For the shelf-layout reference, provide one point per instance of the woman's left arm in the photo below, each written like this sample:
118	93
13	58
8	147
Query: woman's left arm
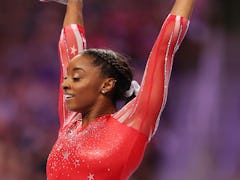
72	41
183	8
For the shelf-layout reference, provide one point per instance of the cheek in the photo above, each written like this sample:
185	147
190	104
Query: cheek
87	89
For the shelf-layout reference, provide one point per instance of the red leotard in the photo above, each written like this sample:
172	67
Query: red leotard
111	147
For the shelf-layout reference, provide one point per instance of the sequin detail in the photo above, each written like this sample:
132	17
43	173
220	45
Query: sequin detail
89	151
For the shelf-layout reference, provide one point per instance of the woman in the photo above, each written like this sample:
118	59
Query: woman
95	141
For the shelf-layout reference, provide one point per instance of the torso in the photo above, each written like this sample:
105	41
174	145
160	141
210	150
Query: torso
104	149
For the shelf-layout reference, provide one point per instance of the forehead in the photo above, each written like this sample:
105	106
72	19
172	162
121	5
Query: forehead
83	62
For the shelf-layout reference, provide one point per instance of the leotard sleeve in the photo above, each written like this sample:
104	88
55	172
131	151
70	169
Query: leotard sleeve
143	112
72	41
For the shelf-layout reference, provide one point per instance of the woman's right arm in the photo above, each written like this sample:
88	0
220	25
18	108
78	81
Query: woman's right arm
72	41
144	111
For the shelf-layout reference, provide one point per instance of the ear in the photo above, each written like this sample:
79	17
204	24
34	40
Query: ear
108	85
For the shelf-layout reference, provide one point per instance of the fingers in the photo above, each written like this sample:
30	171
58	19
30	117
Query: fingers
65	2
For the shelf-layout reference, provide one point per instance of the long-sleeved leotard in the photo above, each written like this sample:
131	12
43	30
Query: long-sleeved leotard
112	146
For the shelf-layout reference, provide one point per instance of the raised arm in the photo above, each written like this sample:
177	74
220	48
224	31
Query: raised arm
74	13
72	38
143	112
183	8
71	42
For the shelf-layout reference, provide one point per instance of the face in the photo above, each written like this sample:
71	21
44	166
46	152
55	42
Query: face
82	84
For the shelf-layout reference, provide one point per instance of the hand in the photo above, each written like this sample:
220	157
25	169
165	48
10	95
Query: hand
65	2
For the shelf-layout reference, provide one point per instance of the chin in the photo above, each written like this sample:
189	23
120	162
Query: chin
73	108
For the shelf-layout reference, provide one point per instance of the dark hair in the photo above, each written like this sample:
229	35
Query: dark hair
114	65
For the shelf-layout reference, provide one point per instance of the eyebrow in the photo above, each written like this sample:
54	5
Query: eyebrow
78	69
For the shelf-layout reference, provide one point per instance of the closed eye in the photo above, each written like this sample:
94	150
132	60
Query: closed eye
75	79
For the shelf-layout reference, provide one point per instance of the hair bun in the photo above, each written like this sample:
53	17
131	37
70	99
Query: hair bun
134	89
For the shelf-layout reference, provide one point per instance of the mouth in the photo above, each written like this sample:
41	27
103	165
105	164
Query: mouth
68	97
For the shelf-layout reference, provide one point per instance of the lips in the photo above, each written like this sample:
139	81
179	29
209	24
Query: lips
68	96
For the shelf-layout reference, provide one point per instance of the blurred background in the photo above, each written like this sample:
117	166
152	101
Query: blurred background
198	136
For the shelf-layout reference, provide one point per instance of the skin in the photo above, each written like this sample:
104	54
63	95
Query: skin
89	90
183	8
74	13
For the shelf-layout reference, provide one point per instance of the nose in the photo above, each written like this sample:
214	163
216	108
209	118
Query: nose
65	84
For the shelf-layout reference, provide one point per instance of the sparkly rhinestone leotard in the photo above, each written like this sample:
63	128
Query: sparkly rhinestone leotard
112	146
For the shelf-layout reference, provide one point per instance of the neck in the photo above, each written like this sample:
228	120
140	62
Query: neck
100	108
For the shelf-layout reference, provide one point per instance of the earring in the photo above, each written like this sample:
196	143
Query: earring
103	91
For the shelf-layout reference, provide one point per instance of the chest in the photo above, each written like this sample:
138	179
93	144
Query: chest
96	141
103	147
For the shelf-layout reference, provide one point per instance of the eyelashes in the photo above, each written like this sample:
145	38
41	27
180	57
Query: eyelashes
74	79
